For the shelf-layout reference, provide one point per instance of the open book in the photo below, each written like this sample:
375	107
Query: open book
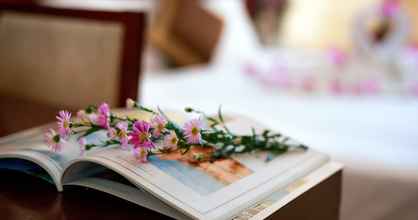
167	183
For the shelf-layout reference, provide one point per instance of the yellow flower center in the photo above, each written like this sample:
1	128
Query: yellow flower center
66	124
174	140
143	137
122	134
195	131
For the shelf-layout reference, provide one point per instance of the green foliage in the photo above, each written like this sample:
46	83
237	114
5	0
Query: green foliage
226	143
217	135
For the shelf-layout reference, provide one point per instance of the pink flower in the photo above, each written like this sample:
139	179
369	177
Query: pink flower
171	140
84	117
140	137
53	140
282	81
278	77
140	154
308	84
82	142
414	89
337	56
390	7
336	87
158	123
192	130
122	134
92	117
64	124
250	69
119	133
103	115
370	86
112	133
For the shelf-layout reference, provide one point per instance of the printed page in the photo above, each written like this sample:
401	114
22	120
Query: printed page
29	145
129	193
211	190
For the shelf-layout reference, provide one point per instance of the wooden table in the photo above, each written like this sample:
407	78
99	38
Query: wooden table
26	197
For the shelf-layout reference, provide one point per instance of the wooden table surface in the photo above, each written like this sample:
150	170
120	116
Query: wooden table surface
26	197
30	198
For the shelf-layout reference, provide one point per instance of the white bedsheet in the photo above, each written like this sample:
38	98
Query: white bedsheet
376	137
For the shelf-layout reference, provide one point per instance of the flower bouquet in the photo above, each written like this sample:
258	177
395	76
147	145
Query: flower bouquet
203	138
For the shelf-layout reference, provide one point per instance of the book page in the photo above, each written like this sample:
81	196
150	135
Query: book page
277	199
29	145
129	193
211	190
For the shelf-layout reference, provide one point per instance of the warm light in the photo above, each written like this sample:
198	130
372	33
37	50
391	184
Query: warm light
321	23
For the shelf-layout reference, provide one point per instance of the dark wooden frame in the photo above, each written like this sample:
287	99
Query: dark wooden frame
133	22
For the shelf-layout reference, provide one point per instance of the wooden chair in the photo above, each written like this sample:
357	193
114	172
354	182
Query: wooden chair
67	54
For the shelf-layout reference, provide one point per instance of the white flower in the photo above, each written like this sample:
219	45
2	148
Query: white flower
130	103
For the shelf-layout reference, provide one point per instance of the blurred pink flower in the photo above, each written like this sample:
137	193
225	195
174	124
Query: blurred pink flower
171	140
140	137
53	140
140	154
390	7
414	89
250	69
158	123
82	115
282	80
87	118
277	77
92	117
337	56
280	75
192	130
336	87
122	134
64	124
369	87
111	133
103	115
308	83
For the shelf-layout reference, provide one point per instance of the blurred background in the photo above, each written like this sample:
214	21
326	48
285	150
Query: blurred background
340	76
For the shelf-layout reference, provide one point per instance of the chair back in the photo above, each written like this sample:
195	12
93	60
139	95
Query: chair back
69	55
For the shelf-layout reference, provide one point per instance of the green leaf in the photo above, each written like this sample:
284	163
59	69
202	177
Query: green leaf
91	130
188	110
90	109
220	116
266	133
89	146
142	108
